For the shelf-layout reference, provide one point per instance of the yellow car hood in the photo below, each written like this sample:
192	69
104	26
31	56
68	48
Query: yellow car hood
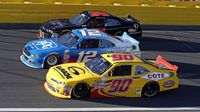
74	71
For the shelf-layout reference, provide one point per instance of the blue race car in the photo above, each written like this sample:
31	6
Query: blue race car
79	45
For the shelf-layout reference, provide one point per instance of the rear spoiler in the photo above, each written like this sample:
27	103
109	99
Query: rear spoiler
161	61
132	18
126	36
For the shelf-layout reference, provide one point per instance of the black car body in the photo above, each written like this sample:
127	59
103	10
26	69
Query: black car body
92	19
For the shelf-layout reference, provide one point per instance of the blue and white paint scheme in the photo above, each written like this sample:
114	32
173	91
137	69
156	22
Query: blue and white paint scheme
79	45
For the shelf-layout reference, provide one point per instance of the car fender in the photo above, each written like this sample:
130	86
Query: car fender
54	53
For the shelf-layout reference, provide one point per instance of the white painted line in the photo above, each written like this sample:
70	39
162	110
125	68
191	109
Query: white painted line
98	109
177	38
187	45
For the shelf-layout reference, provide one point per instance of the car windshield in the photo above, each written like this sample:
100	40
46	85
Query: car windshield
68	39
79	19
98	65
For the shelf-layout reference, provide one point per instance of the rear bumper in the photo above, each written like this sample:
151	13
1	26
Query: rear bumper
137	53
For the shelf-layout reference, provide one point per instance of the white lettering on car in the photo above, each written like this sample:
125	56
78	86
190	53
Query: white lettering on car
156	76
41	45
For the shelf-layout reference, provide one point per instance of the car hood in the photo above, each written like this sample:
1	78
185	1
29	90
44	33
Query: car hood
42	46
72	71
58	24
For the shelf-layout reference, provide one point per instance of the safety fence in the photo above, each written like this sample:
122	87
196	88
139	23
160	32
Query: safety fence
157	12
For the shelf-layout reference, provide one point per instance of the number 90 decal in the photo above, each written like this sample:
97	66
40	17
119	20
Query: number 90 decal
120	85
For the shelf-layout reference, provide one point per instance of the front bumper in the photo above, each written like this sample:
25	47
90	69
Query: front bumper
51	90
44	34
27	62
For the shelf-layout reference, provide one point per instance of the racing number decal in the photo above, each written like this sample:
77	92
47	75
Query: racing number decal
120	85
85	56
94	33
90	32
117	57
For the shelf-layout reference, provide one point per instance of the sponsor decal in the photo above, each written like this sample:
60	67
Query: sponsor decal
156	76
76	70
120	49
67	75
100	84
44	44
138	91
66	56
168	83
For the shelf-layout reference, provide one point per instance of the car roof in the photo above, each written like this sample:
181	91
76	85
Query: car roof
97	13
121	58
91	34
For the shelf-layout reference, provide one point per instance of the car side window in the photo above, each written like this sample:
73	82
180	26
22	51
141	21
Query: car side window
112	22
106	44
140	70
95	23
89	43
123	70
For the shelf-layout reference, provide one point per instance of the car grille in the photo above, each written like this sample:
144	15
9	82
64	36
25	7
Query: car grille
26	52
50	87
26	58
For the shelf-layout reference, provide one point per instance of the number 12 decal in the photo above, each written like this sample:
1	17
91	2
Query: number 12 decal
120	85
85	56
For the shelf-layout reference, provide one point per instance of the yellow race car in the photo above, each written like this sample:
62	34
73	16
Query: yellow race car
112	75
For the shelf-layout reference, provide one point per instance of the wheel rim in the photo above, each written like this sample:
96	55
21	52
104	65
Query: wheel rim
80	91
52	60
151	90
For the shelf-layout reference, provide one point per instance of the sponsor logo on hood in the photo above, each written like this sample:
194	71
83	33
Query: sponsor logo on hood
44	44
76	70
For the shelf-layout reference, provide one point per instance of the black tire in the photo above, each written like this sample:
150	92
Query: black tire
51	60
81	90
150	89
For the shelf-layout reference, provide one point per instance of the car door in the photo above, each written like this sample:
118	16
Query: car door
97	23
106	46
141	74
114	26
87	49
120	81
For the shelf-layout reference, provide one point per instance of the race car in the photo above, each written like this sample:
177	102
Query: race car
112	75
79	45
100	20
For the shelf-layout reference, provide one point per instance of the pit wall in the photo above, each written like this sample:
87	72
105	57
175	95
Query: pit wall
149	12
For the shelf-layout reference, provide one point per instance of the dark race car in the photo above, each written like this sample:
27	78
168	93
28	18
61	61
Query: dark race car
92	19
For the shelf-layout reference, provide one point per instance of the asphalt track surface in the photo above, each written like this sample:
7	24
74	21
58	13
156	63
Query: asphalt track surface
21	86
